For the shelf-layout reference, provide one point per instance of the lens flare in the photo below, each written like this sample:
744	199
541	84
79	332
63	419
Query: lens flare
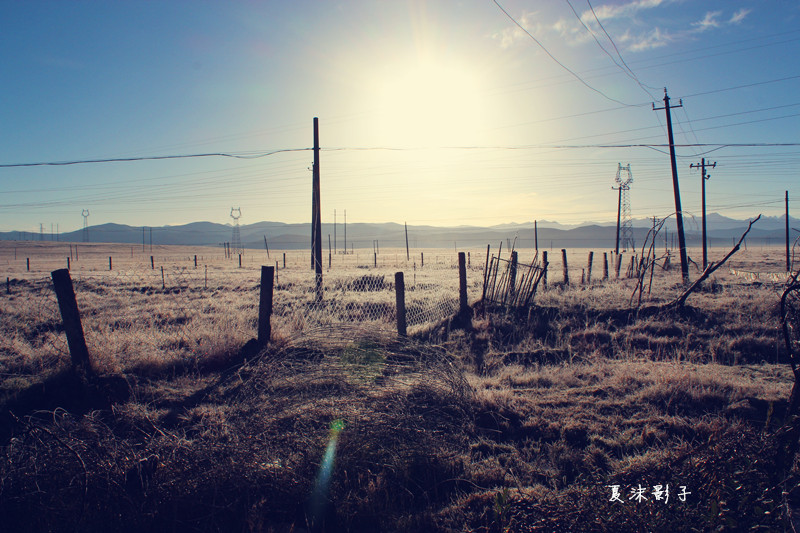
320	495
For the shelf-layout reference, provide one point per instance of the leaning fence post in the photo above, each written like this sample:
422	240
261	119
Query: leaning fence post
72	320
544	266
265	305
618	265
566	268
463	307
485	273
400	298
152	263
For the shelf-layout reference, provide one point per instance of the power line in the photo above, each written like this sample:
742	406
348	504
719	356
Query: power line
641	84
742	86
562	65
153	158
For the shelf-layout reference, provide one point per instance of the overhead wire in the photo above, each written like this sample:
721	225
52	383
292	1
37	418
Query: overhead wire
562	65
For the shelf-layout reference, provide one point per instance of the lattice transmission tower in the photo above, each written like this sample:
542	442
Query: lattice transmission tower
85	214
236	240
624	221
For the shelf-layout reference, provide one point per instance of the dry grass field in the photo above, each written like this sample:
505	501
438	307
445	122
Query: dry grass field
528	421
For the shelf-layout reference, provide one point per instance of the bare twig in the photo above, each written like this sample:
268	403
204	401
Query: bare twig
681	300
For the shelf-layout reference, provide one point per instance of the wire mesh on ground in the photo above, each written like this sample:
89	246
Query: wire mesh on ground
365	301
516	284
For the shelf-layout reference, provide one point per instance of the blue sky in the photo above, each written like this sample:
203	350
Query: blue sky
441	113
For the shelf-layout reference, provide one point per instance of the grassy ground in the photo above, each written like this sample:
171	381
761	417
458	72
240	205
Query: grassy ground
526	423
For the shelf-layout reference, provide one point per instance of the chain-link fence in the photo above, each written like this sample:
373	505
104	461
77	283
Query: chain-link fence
167	314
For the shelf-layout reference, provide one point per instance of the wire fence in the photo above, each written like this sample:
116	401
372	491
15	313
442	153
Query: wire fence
139	314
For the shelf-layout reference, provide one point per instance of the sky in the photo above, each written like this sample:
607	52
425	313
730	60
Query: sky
438	113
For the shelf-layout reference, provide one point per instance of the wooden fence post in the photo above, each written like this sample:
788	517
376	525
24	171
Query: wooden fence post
205	283
240	260
195	261
512	278
589	268
463	306
566	268
485	273
375	255
400	298
265	305
28	263
163	282
152	263
8	285
605	266
421	259
68	263
544	266
284	259
72	320
618	265
109	262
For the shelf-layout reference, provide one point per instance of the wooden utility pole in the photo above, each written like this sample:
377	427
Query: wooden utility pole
316	219
536	234
788	261
703	179
675	187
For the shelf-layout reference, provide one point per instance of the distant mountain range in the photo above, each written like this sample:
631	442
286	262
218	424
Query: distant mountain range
282	236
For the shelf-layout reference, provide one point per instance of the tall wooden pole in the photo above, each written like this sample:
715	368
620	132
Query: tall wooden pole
536	234
676	189
317	219
703	179
788	261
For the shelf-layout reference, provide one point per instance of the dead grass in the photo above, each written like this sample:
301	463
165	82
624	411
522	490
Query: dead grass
519	425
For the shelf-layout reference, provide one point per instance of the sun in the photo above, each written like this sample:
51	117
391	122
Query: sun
429	103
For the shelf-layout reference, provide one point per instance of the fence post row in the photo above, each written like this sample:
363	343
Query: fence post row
400	299
265	305
72	320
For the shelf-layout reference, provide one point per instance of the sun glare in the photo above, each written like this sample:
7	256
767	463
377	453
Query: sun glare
429	104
